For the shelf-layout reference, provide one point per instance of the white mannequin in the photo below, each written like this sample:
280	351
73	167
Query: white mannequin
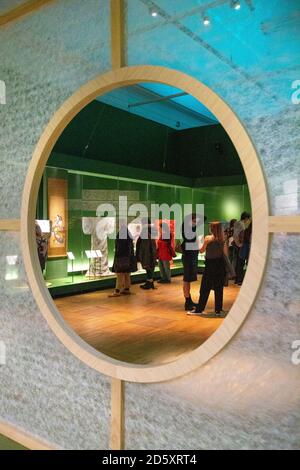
105	226
99	229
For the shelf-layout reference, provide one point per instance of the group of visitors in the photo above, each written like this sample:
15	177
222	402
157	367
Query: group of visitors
214	275
226	252
149	250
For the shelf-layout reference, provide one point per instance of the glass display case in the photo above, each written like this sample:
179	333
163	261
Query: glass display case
91	229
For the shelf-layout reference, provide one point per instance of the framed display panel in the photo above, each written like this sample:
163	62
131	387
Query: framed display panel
58	216
260	239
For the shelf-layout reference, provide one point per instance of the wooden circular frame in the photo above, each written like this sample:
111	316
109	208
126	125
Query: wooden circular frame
260	238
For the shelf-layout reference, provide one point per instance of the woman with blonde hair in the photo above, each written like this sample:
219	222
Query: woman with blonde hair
213	277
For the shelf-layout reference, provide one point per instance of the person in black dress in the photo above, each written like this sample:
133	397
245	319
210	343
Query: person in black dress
214	273
124	261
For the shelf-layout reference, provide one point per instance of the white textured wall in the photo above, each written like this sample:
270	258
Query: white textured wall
248	396
44	58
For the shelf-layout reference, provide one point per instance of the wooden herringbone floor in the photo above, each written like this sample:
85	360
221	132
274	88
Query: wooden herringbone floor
148	327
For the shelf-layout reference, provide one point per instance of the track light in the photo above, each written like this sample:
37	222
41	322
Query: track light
206	20
153	12
235	4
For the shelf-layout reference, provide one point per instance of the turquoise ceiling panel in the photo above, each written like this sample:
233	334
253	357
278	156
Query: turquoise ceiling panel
161	103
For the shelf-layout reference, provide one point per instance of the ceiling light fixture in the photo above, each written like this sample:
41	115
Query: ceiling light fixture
153	12
206	21
236	5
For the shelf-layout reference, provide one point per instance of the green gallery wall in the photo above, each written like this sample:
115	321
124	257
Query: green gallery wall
221	202
105	148
105	133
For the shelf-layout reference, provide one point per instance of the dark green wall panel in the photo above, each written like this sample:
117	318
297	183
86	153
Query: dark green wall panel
103	133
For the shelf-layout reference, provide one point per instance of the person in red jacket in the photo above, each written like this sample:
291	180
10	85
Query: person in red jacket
165	253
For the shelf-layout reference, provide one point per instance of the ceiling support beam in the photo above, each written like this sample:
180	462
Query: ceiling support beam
157	100
16	13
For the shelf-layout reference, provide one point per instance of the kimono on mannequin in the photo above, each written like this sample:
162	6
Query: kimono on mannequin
99	229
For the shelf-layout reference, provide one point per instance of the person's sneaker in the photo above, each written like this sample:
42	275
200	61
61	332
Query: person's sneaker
163	281
148	285
195	311
220	314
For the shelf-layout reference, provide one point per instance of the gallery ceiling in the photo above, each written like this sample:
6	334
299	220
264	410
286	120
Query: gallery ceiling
162	104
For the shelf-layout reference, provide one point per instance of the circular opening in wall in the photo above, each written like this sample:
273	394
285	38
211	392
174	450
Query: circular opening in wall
135	173
134	213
